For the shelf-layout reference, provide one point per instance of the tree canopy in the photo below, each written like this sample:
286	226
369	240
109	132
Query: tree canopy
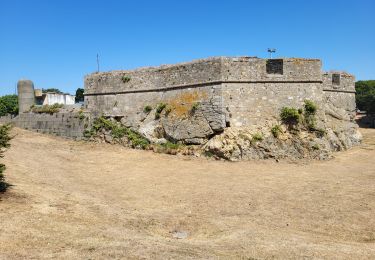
79	95
58	91
8	105
365	95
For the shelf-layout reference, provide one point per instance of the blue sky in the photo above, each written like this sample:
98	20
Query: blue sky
54	43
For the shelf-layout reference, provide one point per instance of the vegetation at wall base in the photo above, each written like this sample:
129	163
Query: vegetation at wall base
276	131
8	105
4	143
117	131
47	109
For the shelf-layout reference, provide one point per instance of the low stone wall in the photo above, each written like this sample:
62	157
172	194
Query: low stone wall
65	124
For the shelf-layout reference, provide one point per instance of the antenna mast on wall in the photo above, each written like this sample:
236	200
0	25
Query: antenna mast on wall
97	60
271	50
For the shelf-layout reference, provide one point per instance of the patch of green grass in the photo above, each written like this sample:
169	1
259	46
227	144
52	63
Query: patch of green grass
257	137
276	131
118	131
125	79
194	107
147	109
81	115
159	109
47	109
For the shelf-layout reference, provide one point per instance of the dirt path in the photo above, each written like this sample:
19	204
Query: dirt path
79	200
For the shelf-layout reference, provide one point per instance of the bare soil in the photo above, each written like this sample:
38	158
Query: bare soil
77	200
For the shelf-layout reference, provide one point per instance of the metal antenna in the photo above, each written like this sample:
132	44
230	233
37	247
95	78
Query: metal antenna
271	50
97	60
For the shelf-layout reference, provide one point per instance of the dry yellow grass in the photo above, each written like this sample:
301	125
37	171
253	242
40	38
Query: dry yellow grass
75	200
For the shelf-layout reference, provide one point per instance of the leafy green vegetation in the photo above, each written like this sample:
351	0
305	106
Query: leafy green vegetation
194	107
276	131
159	109
257	137
4	143
310	109
118	131
125	79
315	147
81	115
365	95
147	109
55	90
47	109
79	95
8	105
290	115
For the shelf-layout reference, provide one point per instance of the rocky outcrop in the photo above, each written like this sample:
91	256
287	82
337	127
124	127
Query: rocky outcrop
259	143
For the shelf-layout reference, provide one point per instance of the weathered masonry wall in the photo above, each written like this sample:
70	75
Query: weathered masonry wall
60	124
239	92
253	93
244	90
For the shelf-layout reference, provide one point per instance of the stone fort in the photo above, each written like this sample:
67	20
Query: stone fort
234	92
207	96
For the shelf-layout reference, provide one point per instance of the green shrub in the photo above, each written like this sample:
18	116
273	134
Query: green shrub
257	137
309	115
118	131
194	107
125	79
159	109
315	147
81	115
290	115
310	107
147	109
4	143
47	109
8	105
276	131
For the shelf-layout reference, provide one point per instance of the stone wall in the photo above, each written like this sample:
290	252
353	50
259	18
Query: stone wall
66	124
243	89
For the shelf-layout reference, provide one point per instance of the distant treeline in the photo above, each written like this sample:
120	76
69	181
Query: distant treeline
365	95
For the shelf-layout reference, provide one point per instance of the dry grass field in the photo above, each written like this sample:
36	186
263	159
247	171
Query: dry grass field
77	200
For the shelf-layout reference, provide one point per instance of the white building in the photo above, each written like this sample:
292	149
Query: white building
51	98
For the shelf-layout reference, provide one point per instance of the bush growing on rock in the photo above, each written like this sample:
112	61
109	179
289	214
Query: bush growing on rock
147	109
276	131
117	132
159	109
290	115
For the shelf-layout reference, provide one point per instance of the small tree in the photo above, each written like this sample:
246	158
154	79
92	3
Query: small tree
8	105
79	95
